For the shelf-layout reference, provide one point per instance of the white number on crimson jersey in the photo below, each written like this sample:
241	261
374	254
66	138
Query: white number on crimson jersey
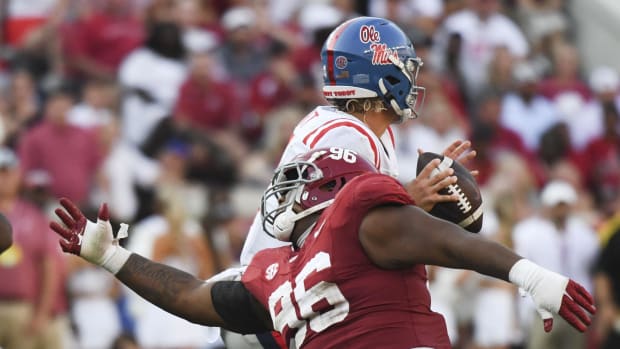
303	299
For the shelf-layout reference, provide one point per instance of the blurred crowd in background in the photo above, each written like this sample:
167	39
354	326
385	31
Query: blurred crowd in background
175	112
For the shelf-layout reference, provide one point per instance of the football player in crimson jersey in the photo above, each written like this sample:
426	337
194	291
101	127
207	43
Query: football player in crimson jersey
354	276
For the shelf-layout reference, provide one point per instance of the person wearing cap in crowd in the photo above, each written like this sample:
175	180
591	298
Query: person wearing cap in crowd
562	241
239	52
600	167
28	269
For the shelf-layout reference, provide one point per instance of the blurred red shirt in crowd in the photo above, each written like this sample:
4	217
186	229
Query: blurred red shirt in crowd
96	44
205	101
45	146
19	266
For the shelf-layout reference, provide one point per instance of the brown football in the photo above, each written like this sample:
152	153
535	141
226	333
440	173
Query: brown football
467	211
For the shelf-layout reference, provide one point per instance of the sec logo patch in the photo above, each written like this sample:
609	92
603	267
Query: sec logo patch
341	62
271	271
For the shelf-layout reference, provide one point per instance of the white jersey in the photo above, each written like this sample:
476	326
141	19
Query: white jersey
327	127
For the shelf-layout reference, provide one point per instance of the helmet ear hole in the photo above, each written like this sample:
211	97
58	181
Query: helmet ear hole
392	79
329	186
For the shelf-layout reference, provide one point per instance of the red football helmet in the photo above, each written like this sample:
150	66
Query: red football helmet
311	181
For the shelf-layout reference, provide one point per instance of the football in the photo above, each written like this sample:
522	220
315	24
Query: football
467	211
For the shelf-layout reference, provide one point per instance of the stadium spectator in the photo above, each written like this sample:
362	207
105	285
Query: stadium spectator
21	106
481	28
607	284
545	22
93	294
23	20
424	15
500	72
124	173
207	101
241	52
162	236
602	154
276	86
40	147
494	314
150	77
28	269
57	334
97	105
6	233
560	240
96	45
190	253
565	76
524	111
503	139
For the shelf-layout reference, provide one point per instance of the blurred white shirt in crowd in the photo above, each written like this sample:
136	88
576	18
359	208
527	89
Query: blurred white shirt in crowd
570	252
528	120
408	9
160	79
479	40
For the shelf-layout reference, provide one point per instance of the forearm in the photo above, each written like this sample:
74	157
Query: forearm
472	251
397	237
171	289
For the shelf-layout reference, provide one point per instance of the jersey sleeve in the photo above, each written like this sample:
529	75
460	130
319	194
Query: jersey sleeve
349	135
241	311
372	190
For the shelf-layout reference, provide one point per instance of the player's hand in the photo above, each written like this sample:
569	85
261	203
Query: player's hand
553	293
574	300
459	151
94	242
424	189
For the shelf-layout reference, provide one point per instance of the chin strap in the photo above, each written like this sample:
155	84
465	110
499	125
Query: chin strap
284	224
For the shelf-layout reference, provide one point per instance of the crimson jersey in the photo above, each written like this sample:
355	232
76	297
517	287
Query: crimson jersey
329	294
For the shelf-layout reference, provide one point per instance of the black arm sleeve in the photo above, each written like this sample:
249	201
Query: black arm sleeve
241	311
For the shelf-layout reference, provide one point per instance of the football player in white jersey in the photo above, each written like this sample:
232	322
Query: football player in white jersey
370	70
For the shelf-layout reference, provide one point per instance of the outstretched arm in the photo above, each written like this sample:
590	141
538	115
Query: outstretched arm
225	304
6	233
401	236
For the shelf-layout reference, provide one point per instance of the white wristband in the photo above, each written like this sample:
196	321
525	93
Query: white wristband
521	272
117	258
545	287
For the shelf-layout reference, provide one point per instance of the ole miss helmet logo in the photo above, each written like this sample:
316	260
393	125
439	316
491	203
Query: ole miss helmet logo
368	33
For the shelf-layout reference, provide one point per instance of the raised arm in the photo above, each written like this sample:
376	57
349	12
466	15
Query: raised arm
402	236
225	304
